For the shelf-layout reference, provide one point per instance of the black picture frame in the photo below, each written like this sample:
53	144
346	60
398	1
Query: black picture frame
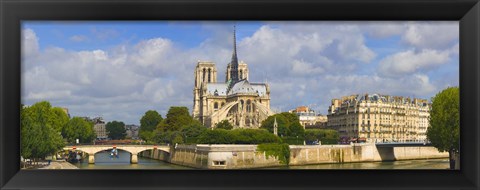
12	12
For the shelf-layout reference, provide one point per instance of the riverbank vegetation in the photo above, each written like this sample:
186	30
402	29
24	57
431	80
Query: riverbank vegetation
280	151
444	130
180	127
116	130
45	130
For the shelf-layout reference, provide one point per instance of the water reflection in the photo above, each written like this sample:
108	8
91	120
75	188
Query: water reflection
406	164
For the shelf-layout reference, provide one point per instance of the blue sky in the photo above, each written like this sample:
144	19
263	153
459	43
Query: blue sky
119	70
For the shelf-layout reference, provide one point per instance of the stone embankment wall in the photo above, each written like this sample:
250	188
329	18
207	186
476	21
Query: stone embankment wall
215	156
247	156
365	152
221	157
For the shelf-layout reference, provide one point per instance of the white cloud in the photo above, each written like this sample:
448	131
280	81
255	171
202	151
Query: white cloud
302	68
150	52
384	29
29	43
409	62
306	63
432	35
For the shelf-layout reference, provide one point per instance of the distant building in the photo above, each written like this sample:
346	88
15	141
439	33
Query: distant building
132	131
99	128
380	118
308	118
66	111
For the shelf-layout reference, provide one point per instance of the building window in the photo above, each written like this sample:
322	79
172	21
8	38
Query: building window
215	105
209	75
219	163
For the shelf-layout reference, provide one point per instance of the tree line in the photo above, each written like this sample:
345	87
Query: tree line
180	127
45	130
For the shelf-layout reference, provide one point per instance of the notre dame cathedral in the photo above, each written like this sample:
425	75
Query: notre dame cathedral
242	103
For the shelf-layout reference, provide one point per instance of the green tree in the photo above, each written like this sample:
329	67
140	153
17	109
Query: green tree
237	136
150	120
177	117
296	130
176	137
162	136
326	136
281	121
78	128
147	136
38	128
290	118
286	122
224	125
444	130
116	130
192	131
61	119
217	136
148	124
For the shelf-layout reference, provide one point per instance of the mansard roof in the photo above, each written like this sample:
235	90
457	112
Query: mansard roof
385	99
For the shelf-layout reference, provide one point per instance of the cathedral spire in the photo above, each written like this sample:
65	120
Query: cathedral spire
234	62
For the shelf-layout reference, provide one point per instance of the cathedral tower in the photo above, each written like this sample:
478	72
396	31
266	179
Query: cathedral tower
205	73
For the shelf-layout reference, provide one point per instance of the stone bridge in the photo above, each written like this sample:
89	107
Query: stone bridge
91	150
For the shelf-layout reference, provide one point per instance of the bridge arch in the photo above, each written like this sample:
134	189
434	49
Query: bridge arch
132	149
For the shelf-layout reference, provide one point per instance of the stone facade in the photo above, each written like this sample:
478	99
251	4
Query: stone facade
132	131
380	118
99	127
243	104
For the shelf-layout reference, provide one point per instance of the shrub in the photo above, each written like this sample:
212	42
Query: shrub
279	151
237	136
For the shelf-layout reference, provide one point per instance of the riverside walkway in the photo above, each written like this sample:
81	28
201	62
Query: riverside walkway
55	165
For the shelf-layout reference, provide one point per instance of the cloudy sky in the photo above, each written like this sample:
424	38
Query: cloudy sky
119	70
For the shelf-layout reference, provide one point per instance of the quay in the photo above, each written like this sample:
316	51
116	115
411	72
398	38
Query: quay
59	164
234	156
247	156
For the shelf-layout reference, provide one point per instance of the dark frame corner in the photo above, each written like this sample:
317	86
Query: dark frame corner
12	12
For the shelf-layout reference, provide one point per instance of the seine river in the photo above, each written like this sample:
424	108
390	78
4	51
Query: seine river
103	161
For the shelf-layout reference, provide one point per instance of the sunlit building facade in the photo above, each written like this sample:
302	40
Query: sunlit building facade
380	118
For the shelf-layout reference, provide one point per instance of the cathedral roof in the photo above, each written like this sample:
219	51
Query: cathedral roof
260	88
244	86
219	88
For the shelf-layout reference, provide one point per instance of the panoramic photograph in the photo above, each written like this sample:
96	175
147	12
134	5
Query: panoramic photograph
283	95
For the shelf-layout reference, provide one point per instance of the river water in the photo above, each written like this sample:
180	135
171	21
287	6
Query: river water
104	161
